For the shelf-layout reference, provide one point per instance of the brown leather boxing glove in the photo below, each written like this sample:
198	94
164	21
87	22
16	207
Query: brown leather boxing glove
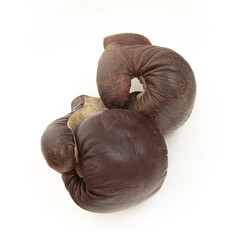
122	161
110	160
168	80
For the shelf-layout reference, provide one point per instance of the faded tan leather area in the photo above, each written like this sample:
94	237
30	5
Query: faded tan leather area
91	106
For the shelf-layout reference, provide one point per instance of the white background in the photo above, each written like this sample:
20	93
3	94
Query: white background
49	51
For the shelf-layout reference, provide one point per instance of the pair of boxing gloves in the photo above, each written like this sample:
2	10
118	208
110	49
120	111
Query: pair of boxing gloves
111	150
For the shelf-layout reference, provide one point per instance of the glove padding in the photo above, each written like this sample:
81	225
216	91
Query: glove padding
122	161
168	80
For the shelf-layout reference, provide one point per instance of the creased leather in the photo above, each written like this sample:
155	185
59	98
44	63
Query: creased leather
57	142
126	39
170	83
122	158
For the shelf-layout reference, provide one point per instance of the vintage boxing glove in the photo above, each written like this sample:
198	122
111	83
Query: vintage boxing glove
122	161
168	80
110	160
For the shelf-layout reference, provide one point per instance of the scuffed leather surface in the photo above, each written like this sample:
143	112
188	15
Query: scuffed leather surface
170	84
57	142
77	103
126	39
122	158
